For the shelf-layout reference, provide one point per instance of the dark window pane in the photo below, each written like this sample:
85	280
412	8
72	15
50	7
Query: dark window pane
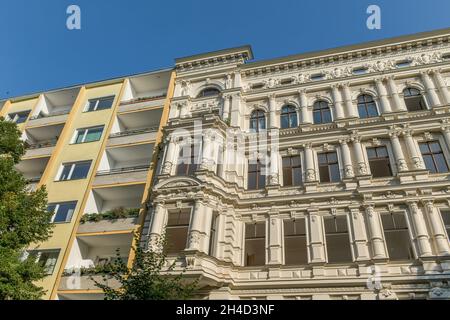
64	212
176	239
324	174
435	147
255	244
105	103
334	173
338	243
81	170
441	164
65	172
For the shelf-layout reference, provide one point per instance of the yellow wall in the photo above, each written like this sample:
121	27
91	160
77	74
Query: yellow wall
74	190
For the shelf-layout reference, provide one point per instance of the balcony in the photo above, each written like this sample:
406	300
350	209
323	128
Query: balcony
33	168
40	149
106	199
142	103
133	136
120	165
118	219
42	136
54	107
145	91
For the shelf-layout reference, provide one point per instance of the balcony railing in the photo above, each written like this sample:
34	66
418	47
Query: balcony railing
43	144
122	170
53	114
34	180
134	132
139	100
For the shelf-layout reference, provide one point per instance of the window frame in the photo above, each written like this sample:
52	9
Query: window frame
247	238
97	102
337	163
16	116
193	165
339	233
409	96
86	132
72	169
295	236
257	116
388	158
179	225
291	169
407	229
57	206
289	111
432	155
38	255
319	107
258	173
201	94
366	105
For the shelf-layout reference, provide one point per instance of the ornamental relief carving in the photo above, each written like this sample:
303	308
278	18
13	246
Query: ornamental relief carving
345	71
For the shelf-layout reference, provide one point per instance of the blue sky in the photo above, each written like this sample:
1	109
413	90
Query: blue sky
122	37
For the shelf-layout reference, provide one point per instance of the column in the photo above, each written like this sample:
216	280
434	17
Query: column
398	152
316	238
170	156
200	227
306	117
399	103
358	235
272	112
347	159
159	220
310	171
443	88
382	94
184	110
226	107
274	178
275	240
207	161
359	156
430	89
438	232
351	109
337	100
173	113
445	129
375	233
236	116
419	231
415	154
237	79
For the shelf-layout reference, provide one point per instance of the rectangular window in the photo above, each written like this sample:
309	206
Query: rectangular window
88	134
329	167
397	236
256	178
19	117
433	157
63	211
292	171
379	162
74	171
295	248
338	241
255	244
446	219
213	235
46	258
100	103
177	231
188	160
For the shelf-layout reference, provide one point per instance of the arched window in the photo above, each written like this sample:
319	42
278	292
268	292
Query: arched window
208	92
258	120
321	112
414	100
366	106
288	117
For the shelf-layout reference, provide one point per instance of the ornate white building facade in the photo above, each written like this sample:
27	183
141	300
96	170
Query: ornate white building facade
318	176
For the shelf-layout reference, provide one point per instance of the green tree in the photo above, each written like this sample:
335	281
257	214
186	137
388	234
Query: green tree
24	219
151	277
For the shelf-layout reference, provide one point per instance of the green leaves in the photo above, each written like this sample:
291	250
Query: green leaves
151	277
24	219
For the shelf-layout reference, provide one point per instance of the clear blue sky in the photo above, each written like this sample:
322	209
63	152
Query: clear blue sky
122	37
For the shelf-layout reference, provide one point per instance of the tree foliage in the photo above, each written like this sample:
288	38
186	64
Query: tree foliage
151	277
24	220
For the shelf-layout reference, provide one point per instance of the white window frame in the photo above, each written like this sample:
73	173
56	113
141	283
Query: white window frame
57	206
72	164
86	131
97	101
